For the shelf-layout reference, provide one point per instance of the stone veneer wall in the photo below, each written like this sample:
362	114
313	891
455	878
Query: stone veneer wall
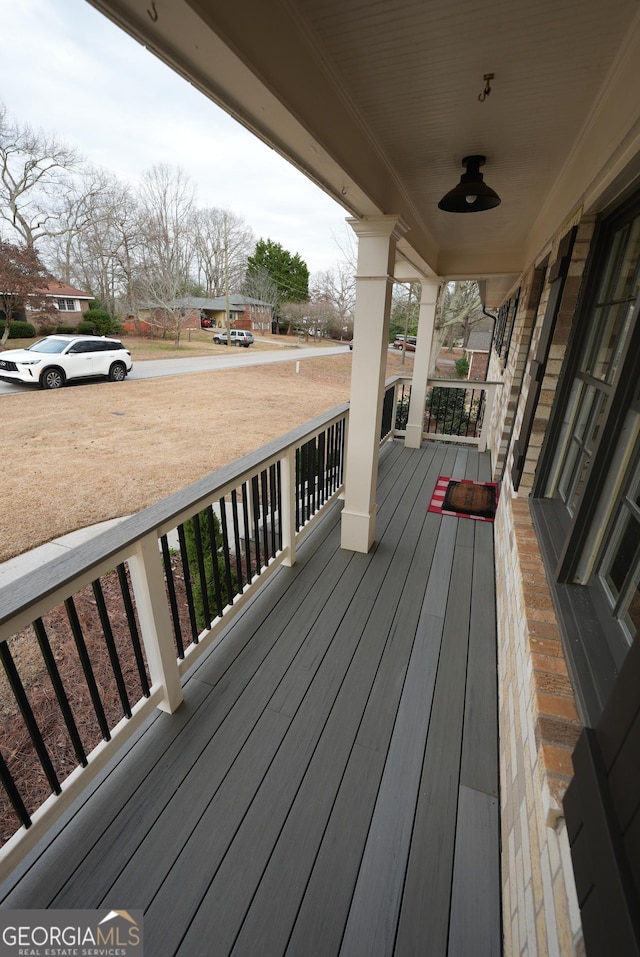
538	720
538	727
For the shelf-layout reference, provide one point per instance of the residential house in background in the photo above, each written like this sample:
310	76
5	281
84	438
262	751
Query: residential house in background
68	304
478	350
244	313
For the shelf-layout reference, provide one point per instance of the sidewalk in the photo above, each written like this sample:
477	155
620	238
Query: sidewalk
14	568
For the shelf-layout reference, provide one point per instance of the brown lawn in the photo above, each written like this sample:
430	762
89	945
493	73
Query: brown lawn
92	452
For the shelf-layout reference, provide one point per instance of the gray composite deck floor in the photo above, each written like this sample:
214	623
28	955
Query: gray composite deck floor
330	785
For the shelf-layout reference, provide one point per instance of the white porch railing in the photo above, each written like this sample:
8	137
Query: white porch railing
456	410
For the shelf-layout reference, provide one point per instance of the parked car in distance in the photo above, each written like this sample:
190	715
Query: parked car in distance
239	337
55	360
409	344
206	323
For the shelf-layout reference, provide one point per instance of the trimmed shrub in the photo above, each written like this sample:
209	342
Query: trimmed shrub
102	322
462	366
19	329
85	328
202	520
402	413
448	410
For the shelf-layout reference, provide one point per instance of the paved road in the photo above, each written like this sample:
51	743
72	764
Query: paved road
152	368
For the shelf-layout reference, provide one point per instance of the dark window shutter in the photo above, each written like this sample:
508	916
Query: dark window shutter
557	276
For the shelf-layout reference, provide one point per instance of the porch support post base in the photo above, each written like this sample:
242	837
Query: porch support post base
413	436
358	530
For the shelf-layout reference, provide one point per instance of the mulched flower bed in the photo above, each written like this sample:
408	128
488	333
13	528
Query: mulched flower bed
15	741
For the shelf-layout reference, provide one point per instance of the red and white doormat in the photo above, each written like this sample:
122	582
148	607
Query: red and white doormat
464	498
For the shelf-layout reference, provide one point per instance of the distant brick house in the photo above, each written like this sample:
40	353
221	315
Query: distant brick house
69	305
478	350
244	313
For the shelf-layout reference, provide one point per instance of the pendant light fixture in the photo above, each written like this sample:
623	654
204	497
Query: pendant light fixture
472	194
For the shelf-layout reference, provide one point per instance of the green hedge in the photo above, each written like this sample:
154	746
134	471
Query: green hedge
19	330
102	322
190	532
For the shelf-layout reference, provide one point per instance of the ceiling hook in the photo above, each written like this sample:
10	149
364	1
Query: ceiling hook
153	13
488	77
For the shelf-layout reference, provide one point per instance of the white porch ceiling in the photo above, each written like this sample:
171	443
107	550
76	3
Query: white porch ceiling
377	101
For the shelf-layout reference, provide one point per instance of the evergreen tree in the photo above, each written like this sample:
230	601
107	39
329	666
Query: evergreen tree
290	274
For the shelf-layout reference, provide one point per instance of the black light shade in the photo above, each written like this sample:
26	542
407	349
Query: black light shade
472	194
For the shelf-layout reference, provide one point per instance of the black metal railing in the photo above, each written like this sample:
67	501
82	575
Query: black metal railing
454	411
69	677
403	398
319	471
388	425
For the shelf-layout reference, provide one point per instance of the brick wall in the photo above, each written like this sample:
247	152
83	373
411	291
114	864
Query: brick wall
538	726
558	348
478	366
538	719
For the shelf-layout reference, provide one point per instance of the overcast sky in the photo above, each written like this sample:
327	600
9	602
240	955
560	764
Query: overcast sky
70	71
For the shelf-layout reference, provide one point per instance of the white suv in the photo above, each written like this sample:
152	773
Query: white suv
239	337
55	360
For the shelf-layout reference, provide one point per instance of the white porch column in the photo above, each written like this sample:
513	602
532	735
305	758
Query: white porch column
421	363
377	237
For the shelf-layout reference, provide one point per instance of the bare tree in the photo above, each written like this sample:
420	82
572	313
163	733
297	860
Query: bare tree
35	177
213	230
260	285
404	312
459	308
102	236
347	243
167	209
162	286
23	283
296	316
316	319
335	291
167	200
